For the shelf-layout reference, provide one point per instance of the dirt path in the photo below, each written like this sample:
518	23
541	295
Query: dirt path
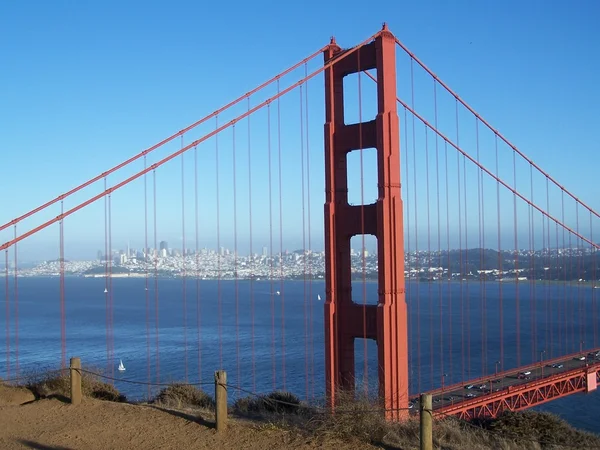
54	425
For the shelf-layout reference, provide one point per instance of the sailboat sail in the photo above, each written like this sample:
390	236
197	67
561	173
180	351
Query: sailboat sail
121	366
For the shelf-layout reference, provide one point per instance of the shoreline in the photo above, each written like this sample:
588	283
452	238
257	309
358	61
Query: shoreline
135	275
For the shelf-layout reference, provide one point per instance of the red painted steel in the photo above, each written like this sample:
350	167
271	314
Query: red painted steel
495	131
345	320
386	322
517	398
161	143
559	222
168	158
484	379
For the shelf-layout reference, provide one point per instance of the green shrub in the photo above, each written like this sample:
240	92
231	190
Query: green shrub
277	402
49	385
180	395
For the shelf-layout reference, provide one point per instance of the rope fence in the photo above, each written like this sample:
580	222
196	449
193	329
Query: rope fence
270	405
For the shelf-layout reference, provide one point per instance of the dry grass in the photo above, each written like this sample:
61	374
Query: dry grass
551	431
49	385
355	423
359	420
353	419
277	402
182	396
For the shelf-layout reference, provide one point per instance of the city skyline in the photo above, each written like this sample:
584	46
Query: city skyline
234	183
576	264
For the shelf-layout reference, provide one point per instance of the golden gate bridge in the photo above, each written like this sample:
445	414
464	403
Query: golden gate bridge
455	204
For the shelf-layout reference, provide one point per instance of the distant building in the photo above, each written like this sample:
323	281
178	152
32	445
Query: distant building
163	245
121	259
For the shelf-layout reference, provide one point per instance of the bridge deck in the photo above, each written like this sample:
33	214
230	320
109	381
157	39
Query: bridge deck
519	388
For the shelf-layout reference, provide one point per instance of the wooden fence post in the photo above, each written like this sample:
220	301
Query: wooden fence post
75	372
425	409
221	400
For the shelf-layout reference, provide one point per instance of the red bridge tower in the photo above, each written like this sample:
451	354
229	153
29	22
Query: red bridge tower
386	322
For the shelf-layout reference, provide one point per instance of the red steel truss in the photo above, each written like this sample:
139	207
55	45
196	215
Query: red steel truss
517	398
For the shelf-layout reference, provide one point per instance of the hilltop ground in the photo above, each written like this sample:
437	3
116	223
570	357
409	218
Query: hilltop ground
41	417
97	424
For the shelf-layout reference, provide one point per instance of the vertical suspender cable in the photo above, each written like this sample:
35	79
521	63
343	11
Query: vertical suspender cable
500	259
549	321
156	304
310	260
281	238
198	304
558	306
253	357
482	280
183	266
110	292
564	260
449	279
16	296
219	255
573	272
271	274
429	296
516	263
362	231
107	256
235	261
594	262
406	187
417	264
438	259
460	252
63	331
579	277
304	255
7	309
146	291
531	277
570	304
467	294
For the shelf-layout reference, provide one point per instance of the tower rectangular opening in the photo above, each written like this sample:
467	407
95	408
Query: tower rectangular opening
363	263
365	375
360	97
362	176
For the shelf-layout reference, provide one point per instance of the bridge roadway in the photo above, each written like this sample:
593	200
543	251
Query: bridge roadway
453	395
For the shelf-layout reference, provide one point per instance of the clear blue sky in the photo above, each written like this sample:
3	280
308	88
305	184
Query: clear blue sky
84	85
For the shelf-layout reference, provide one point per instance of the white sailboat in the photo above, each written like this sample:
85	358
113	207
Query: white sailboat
278	293
319	297
121	366
105	290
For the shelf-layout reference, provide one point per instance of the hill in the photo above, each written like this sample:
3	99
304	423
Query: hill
31	418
